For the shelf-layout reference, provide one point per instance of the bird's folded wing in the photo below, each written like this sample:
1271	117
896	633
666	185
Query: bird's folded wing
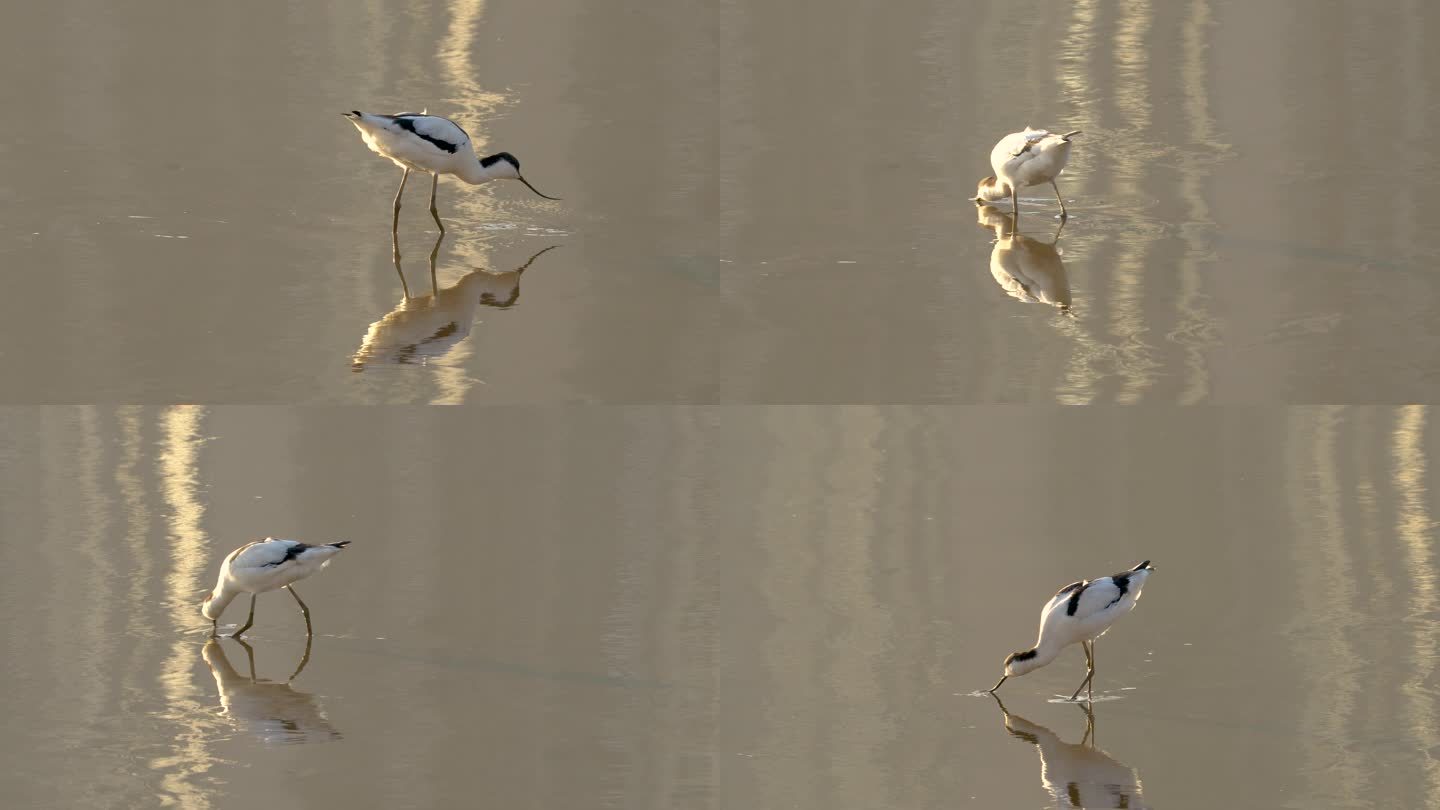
1063	596
1099	595
270	552
433	128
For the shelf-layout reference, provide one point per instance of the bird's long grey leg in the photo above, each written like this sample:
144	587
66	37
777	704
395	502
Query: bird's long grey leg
434	185
303	608
1080	688
248	621
1090	678
1063	213
395	223
214	628
1089	669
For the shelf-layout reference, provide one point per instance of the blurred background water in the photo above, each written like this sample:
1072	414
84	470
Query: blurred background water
746	513
762	203
719	607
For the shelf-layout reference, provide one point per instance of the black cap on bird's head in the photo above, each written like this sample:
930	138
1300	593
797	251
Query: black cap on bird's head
1019	663
510	170
487	162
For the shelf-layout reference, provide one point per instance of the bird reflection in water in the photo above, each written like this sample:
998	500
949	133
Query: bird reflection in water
428	326
1027	269
273	711
1078	774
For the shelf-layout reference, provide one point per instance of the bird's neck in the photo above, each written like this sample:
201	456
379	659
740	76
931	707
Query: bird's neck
220	598
1045	652
475	174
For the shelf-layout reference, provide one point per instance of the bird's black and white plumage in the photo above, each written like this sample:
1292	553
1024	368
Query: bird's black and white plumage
1080	612
425	143
1029	158
429	143
266	565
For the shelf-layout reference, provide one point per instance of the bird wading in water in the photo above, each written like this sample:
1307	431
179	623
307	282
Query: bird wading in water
1080	612
429	143
1021	159
266	565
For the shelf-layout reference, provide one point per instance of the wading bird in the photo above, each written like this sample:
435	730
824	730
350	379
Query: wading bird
265	565
1030	158
429	143
1081	611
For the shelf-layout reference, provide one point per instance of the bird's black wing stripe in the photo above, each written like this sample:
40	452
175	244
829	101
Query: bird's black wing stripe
290	554
1122	581
408	124
427	115
1075	599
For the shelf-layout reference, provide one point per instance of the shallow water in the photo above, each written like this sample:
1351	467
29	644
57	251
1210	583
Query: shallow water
770	472
720	607
761	205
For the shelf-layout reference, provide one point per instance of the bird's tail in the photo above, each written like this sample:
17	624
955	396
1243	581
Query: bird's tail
1144	566
353	114
341	544
1067	136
